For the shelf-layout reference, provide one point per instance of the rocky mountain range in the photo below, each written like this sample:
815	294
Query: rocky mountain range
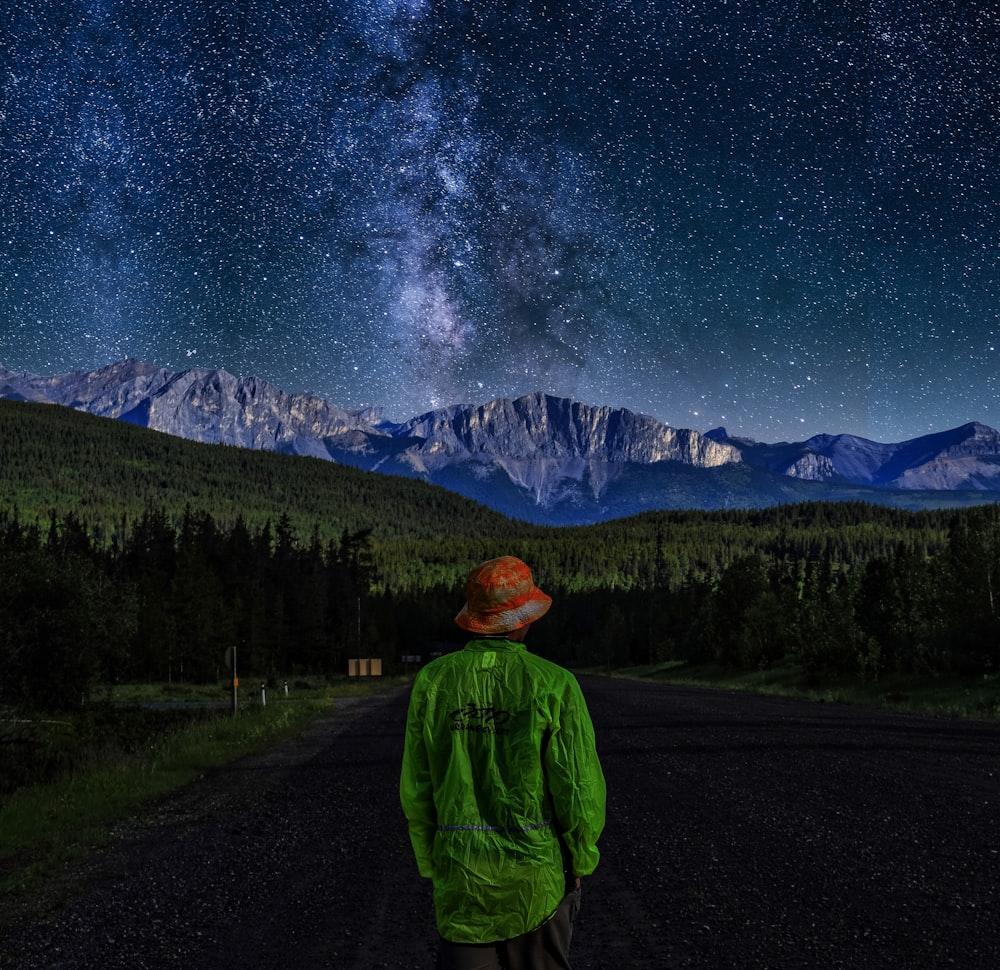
963	458
539	457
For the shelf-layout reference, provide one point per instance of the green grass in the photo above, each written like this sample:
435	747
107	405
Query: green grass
975	698
44	826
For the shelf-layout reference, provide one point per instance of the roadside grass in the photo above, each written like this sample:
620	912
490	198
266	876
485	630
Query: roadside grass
44	826
973	698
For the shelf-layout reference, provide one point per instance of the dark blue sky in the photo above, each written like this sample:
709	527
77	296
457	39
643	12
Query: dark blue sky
776	216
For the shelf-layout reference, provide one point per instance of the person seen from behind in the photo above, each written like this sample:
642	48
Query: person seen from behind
501	784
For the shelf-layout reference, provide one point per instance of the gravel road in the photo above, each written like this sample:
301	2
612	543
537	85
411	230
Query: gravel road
742	832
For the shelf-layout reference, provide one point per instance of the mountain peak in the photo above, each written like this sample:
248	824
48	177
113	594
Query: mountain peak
543	426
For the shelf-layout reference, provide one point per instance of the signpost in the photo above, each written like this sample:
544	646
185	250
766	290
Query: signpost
231	664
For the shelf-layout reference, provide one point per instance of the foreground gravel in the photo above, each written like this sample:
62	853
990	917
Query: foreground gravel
742	831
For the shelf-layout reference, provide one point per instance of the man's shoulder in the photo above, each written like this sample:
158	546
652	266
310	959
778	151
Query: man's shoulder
554	673
441	665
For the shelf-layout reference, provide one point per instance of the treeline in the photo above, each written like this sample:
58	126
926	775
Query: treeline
167	602
838	589
910	609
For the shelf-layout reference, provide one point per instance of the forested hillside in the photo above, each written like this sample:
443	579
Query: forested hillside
129	554
109	473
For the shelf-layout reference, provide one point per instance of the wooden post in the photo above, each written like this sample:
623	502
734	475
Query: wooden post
231	664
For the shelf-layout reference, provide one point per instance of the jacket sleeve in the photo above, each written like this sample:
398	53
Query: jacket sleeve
416	792
576	782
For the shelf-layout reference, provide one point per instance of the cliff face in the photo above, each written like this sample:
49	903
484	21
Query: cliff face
200	404
812	468
541	426
247	412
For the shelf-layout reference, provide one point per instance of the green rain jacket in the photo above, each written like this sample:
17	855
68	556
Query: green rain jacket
501	787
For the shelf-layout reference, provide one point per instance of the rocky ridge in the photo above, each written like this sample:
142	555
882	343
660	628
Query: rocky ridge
967	457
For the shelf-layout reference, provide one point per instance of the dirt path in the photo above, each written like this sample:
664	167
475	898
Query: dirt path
742	832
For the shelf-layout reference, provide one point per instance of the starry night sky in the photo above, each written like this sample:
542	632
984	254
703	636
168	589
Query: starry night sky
781	217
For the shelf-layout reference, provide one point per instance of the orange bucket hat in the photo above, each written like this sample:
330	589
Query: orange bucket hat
501	596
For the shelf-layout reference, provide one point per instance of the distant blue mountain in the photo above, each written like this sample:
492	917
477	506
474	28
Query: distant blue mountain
963	458
539	457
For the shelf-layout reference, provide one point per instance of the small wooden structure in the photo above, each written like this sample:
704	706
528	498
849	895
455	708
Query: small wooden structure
364	667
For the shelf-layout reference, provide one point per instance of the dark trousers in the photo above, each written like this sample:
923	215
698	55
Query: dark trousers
546	948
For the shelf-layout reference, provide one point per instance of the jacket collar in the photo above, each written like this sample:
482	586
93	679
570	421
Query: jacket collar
493	643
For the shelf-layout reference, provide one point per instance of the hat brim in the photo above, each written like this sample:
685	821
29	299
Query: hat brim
503	621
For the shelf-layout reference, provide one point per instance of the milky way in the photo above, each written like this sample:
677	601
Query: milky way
780	217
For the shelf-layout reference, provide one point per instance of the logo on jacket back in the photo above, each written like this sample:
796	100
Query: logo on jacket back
485	720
